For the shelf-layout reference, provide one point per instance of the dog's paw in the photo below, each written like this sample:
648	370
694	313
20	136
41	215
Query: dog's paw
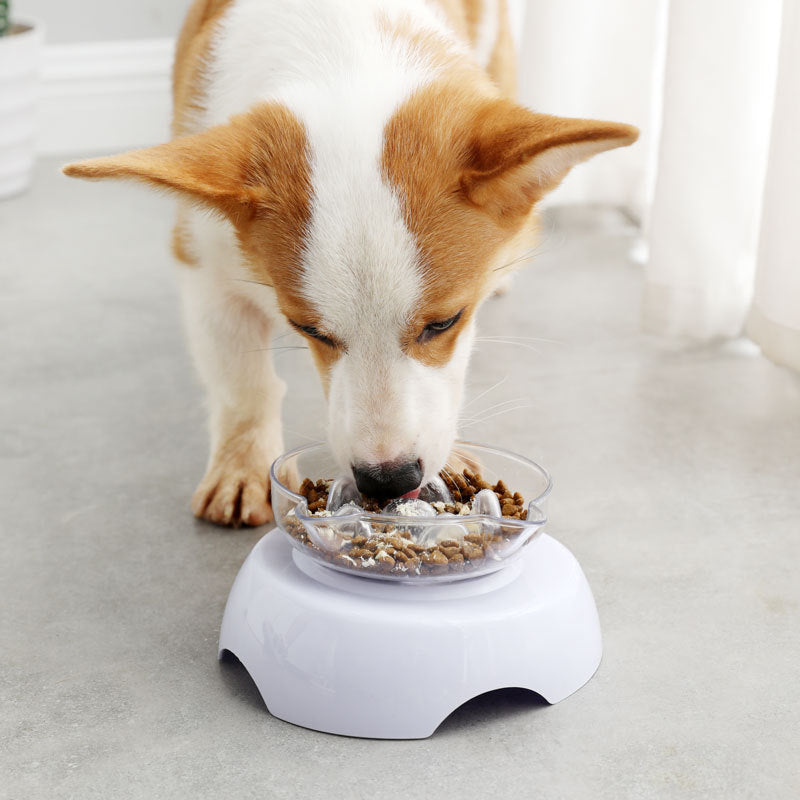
235	490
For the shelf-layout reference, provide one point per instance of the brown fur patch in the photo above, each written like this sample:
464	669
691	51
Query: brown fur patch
272	239
465	17
181	240
234	168
191	61
517	156
192	53
426	147
324	358
502	66
453	152
254	170
473	12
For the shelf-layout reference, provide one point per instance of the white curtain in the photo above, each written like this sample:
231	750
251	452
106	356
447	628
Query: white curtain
715	88
774	320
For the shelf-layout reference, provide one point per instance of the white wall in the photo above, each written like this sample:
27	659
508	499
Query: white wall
68	21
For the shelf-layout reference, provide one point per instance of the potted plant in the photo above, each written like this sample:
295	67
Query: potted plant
20	52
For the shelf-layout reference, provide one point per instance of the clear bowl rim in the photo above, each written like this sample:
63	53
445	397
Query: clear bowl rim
396	518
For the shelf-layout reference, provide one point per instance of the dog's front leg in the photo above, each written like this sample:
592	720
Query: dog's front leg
230	338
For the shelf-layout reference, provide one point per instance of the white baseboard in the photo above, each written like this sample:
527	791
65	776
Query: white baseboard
104	96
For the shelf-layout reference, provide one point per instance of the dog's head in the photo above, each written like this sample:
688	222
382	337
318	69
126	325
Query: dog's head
381	246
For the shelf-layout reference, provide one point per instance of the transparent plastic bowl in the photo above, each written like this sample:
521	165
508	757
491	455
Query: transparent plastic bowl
330	539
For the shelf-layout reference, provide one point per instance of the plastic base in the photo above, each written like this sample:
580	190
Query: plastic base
358	657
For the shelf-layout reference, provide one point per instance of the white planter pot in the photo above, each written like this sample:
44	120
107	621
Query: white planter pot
20	59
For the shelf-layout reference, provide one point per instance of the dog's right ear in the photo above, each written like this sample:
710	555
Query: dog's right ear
515	155
238	168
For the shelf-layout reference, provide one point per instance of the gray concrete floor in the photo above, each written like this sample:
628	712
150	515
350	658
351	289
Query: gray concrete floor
676	484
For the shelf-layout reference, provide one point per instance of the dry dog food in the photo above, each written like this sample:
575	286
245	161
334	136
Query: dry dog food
396	549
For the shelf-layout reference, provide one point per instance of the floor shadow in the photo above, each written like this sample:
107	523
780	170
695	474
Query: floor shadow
491	706
238	681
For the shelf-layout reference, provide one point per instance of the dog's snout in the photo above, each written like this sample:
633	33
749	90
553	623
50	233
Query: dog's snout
390	479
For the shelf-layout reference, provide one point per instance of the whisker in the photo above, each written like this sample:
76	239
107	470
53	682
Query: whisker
526	257
483	394
523	339
449	470
284	335
301	435
285	347
249	280
497	414
507	341
541	247
483	411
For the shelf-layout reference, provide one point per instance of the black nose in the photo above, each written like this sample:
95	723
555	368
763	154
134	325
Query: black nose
390	479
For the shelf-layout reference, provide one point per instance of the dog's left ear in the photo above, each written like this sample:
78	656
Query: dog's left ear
515	155
237	168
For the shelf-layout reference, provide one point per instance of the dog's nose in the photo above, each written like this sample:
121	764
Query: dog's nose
390	479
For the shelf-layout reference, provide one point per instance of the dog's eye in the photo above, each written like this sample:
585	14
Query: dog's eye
435	328
310	330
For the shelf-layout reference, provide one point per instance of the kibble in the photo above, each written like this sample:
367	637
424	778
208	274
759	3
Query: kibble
472	551
448	543
389	550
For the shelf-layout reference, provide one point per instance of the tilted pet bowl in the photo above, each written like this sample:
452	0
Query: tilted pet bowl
387	653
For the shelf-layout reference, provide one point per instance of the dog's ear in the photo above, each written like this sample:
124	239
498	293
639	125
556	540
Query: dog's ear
233	168
515	155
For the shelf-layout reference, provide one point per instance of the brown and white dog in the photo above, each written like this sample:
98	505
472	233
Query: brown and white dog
370	172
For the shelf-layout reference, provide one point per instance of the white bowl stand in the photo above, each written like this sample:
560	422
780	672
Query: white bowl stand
361	657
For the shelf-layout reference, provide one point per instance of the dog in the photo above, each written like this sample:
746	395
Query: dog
369	177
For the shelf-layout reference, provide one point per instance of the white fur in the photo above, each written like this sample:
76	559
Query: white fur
329	63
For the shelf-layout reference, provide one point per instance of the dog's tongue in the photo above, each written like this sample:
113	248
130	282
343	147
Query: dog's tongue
411	495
